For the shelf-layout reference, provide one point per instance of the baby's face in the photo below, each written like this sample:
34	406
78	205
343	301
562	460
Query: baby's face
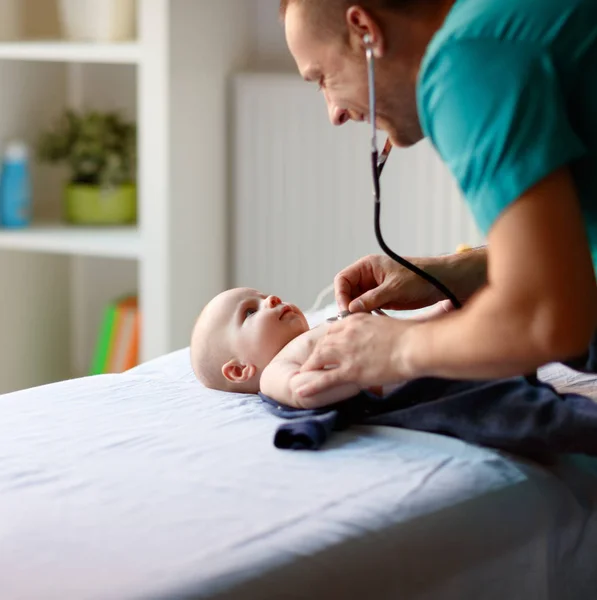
259	326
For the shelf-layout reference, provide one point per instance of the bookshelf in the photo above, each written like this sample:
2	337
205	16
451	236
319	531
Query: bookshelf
57	279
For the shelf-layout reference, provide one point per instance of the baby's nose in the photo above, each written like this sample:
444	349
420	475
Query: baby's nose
273	301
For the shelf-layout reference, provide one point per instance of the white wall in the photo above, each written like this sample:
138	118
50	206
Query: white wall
270	49
200	100
303	206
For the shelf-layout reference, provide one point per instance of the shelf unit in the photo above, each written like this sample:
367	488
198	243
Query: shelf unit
57	238
55	277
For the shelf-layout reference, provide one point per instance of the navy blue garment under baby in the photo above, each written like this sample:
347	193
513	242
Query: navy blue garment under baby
518	415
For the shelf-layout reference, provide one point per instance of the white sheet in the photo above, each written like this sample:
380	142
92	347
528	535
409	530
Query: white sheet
146	485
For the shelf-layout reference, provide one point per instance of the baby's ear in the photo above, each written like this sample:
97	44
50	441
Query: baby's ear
235	372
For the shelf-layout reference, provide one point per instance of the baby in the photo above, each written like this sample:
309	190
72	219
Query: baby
245	341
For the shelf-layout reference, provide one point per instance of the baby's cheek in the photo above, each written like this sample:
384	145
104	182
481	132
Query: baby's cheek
272	341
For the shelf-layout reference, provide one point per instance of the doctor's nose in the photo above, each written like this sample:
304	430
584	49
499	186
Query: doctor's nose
338	116
272	301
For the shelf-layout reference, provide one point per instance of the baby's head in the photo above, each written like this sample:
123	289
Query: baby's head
238	334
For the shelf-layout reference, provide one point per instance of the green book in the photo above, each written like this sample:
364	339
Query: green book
104	341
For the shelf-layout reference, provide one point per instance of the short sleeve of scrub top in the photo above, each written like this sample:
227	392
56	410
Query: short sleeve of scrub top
496	114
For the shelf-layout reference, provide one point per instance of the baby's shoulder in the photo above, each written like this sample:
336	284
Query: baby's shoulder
313	334
300	347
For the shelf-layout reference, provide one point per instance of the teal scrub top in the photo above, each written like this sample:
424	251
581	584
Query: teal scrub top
507	93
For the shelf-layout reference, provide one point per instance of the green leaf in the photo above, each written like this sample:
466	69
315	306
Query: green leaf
100	148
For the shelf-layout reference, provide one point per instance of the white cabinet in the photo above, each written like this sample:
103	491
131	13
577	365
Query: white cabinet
55	279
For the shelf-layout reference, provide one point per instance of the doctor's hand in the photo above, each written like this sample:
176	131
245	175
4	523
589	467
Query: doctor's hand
364	350
377	281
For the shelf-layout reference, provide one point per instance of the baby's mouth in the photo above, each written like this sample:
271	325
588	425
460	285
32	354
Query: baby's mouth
285	311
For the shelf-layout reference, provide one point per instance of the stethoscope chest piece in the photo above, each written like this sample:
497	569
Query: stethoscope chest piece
341	315
346	313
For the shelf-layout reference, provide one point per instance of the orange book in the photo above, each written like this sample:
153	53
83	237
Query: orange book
122	340
132	356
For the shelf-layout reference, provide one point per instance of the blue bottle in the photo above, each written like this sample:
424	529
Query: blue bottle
15	187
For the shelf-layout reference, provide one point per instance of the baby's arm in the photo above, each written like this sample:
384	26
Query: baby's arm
282	378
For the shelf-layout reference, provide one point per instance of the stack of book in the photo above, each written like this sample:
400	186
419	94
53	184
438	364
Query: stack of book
117	346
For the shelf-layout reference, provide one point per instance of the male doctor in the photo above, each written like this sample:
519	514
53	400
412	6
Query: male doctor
506	91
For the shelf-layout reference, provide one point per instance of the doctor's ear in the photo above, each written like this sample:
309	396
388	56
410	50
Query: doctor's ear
364	30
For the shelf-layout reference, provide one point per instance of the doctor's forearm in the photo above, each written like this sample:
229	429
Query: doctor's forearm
463	273
489	338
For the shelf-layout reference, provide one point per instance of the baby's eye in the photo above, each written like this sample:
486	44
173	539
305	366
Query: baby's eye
249	312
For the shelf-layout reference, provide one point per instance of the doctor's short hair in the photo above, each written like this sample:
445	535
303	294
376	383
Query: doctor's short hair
330	13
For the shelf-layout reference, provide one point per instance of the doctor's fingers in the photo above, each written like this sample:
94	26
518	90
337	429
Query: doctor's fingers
322	357
329	351
345	290
356	279
373	299
323	381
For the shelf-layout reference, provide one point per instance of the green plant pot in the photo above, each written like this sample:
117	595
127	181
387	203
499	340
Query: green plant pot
92	205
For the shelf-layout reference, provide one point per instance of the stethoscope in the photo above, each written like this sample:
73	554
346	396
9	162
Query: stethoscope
378	162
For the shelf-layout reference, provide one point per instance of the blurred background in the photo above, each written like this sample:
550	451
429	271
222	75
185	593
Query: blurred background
156	152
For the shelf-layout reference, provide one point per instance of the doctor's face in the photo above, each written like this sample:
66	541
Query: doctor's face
338	66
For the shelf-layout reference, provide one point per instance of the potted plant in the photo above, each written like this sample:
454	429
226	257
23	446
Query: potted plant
100	150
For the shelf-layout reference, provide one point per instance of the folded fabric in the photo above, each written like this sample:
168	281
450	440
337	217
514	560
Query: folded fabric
306	433
520	415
